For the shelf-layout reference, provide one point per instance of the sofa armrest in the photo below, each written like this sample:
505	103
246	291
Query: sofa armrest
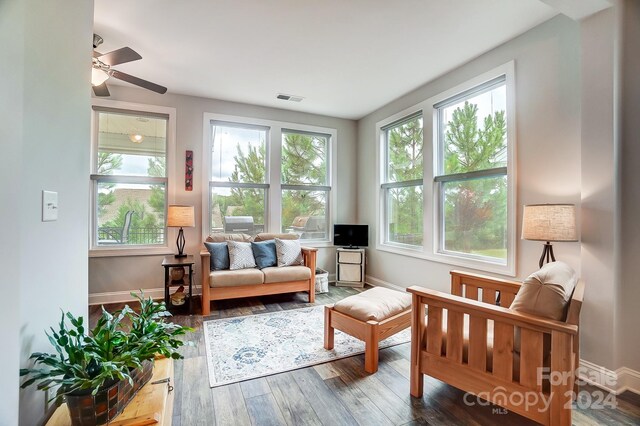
205	267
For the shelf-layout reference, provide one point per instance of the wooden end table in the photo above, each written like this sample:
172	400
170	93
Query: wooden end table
172	262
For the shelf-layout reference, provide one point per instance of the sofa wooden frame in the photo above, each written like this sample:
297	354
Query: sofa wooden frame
475	296
371	332
309	256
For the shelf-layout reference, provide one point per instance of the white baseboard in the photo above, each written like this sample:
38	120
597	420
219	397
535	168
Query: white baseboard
618	381
125	296
629	380
380	283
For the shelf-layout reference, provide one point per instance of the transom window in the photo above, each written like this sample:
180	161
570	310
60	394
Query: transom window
129	179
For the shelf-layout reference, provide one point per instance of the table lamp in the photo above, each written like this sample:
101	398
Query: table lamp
549	222
179	216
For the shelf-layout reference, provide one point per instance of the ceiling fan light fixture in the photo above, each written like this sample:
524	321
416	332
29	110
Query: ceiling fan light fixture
136	138
98	76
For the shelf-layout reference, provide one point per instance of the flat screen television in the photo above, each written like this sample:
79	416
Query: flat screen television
352	236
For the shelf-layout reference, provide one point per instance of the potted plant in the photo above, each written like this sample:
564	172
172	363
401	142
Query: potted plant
98	372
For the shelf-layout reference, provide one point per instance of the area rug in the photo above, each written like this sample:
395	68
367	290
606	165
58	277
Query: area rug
253	346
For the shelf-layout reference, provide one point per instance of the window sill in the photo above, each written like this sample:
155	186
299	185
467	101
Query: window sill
129	251
449	259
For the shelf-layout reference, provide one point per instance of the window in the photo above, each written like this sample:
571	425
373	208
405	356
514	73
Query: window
268	176
453	201
238	181
305	184
129	179
472	172
403	181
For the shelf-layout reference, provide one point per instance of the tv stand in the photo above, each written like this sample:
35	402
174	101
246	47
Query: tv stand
350	263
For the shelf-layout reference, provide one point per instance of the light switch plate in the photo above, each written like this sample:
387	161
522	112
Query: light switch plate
49	206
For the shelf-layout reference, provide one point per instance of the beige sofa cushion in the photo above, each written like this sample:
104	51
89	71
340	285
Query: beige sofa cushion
221	238
376	304
229	278
275	274
547	292
264	236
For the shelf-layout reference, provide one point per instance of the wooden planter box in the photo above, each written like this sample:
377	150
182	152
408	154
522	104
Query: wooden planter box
107	403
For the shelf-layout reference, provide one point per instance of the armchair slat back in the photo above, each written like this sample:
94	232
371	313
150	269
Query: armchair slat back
471	340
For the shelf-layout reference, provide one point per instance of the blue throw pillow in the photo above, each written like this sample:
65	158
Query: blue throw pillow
265	253
219	255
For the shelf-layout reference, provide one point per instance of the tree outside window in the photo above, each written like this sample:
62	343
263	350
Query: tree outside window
473	179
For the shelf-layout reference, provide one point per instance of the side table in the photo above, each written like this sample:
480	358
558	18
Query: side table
178	262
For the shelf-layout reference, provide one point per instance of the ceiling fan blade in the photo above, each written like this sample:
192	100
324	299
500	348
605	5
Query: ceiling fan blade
101	90
138	81
120	56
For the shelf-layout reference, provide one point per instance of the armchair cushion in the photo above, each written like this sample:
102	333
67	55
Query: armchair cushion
546	293
219	255
222	237
290	273
376	304
265	236
264	253
235	278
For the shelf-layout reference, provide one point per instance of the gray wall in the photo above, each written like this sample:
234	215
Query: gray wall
628	347
598	189
116	274
44	63
547	74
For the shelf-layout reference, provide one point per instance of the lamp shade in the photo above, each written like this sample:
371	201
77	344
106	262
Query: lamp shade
549	222
179	216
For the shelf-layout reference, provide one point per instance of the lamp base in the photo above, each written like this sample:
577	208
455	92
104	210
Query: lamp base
180	243
547	253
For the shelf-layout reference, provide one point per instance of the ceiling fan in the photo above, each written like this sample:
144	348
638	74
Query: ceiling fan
101	71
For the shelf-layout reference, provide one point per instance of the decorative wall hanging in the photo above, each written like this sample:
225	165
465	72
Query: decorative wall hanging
188	172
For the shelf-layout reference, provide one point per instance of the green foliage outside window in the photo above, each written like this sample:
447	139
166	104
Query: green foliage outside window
405	163
475	211
304	162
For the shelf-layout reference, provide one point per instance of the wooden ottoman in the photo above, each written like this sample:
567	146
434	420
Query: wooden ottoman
371	316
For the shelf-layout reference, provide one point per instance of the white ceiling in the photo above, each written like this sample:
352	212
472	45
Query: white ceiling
346	58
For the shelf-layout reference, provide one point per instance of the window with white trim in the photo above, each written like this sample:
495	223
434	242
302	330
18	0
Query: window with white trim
402	186
454	201
305	184
472	172
269	176
238	184
129	179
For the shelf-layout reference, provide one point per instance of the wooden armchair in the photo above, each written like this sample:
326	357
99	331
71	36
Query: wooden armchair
478	345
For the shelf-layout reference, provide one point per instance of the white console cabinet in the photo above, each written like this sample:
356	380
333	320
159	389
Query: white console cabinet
350	267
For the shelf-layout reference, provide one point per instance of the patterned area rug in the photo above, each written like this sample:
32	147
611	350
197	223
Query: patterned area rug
253	346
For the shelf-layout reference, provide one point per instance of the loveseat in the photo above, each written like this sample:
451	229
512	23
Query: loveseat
230	284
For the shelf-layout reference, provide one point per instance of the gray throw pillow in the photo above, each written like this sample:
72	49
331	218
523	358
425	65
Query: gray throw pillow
240	255
219	255
288	252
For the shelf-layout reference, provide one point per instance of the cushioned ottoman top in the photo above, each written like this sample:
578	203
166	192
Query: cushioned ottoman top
376	304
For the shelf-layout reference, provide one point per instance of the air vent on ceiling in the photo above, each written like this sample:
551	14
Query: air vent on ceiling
291	98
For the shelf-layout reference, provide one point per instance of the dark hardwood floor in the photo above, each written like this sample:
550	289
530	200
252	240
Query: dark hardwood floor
339	392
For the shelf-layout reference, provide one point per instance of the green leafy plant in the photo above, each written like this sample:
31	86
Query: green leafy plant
118	343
